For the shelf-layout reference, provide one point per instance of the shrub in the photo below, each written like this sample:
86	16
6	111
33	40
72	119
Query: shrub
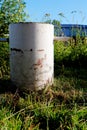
71	54
4	59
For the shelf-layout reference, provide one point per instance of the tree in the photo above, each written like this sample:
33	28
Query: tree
57	27
11	11
46	18
56	23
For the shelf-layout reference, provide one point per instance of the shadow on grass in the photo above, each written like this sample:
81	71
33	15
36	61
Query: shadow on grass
7	86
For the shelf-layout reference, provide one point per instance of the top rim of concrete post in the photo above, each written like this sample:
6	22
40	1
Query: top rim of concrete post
33	23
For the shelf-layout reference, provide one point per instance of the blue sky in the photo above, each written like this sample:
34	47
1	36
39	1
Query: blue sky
74	11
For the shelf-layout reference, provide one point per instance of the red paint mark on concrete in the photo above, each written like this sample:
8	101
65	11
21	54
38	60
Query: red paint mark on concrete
40	50
39	64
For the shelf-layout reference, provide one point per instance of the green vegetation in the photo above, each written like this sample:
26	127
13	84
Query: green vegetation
4	60
59	107
11	11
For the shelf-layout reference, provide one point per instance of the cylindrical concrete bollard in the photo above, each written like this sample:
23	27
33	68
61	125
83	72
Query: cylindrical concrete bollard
31	55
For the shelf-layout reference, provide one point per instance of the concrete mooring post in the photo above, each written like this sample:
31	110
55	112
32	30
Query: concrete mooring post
31	55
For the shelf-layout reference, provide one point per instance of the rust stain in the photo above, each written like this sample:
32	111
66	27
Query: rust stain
40	50
39	63
17	50
35	68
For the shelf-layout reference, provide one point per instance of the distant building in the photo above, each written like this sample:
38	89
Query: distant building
70	30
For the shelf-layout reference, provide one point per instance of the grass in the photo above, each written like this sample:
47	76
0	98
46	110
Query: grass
59	107
62	106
